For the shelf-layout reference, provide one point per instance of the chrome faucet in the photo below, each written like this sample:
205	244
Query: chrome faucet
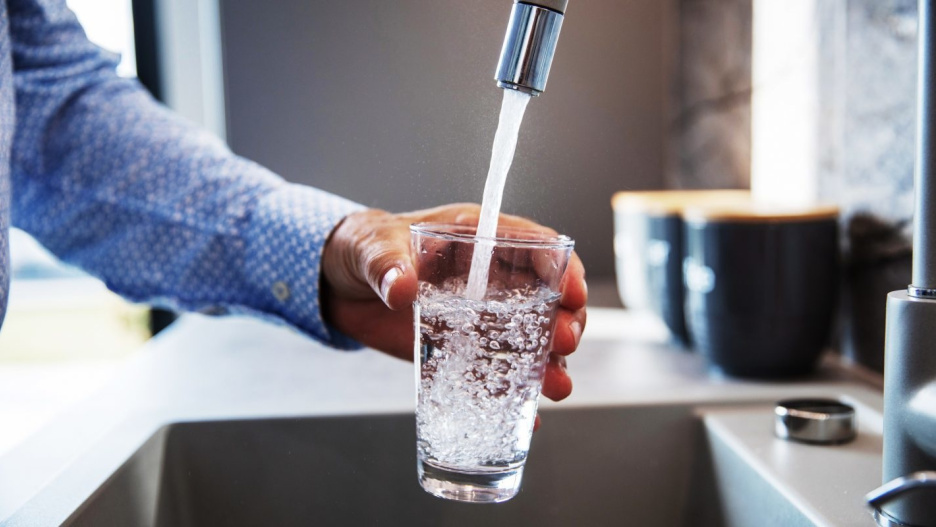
909	495
529	45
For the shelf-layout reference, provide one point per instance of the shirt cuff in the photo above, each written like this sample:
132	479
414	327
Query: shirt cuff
283	240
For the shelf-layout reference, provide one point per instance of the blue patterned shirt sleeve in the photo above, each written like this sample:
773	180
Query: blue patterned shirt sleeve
163	212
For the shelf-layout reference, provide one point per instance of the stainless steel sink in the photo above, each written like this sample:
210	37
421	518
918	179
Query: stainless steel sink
634	465
649	438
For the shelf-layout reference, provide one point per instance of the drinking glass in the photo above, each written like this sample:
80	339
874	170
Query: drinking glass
480	361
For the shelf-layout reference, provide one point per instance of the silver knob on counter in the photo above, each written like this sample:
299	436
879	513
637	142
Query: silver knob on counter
816	421
529	45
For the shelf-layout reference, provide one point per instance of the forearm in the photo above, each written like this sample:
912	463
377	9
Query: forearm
163	212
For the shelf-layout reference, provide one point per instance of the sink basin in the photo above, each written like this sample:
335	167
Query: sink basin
650	437
634	465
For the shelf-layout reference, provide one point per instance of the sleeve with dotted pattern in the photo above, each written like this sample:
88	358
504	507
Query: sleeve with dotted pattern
162	211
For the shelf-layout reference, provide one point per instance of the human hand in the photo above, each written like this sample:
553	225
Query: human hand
369	285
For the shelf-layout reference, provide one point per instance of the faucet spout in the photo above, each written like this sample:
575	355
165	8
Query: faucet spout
529	45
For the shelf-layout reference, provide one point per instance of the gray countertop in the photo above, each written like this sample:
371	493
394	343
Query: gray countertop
209	369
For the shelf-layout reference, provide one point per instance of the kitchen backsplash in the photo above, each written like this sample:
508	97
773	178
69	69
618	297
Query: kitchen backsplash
710	125
864	59
875	180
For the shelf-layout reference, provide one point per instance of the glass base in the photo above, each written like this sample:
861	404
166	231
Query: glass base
473	487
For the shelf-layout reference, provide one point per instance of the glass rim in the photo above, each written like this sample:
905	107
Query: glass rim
444	231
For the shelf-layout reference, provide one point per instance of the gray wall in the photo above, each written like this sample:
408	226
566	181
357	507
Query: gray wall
392	104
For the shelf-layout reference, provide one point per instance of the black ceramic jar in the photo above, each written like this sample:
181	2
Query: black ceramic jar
648	248
761	286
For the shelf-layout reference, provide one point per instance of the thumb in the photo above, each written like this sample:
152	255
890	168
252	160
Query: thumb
389	271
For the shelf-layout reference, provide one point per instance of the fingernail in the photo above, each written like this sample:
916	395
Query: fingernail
387	282
576	328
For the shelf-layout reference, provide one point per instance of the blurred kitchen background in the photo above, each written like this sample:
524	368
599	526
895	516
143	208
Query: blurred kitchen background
393	104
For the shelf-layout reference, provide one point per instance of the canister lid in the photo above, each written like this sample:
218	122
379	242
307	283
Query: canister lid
817	421
756	212
671	202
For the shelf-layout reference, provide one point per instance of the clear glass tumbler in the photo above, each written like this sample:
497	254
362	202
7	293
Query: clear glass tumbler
480	361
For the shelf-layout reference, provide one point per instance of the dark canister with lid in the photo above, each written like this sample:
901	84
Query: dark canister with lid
761	285
648	248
